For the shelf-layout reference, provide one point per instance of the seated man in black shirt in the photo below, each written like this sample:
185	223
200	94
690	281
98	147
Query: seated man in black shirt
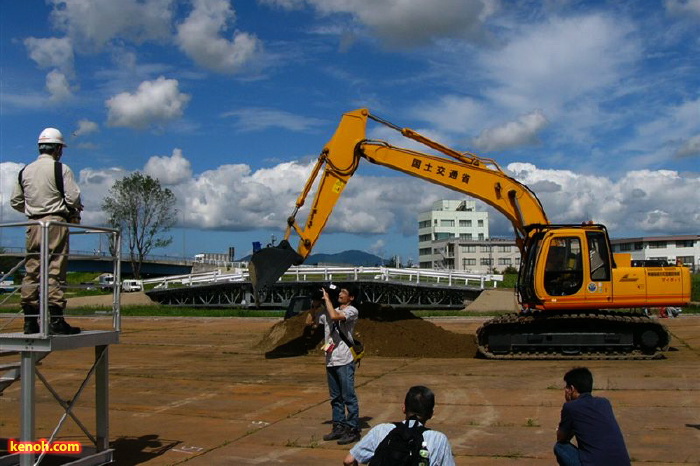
591	420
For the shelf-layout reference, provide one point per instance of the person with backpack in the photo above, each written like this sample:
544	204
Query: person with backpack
46	191
407	443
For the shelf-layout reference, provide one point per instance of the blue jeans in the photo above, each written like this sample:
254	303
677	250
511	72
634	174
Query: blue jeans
341	387
567	454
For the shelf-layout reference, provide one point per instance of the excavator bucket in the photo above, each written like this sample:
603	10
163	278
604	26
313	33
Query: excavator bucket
269	264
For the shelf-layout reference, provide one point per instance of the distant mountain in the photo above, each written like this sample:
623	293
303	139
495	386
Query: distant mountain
352	257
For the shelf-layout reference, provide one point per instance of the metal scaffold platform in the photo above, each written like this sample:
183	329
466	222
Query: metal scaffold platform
33	350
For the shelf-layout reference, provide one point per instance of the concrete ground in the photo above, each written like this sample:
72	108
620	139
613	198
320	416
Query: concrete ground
197	391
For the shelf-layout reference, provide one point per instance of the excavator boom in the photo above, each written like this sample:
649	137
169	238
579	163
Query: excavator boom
464	172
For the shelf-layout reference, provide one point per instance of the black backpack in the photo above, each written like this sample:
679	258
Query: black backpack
400	447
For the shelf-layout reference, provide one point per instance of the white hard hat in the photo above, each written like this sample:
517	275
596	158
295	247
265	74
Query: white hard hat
51	136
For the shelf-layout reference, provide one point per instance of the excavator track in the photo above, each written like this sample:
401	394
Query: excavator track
592	334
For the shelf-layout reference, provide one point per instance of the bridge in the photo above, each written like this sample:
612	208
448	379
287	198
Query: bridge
394	287
176	285
101	262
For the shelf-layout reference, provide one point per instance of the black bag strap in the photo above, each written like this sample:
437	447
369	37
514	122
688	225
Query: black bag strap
58	174
19	178
345	339
416	426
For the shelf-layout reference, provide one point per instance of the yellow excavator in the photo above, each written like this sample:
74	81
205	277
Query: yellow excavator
578	299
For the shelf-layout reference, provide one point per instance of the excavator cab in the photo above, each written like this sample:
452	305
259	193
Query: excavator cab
563	264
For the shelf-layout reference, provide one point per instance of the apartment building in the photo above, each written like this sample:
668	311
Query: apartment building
683	248
448	220
475	256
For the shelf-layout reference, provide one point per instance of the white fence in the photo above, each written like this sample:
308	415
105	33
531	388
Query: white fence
328	274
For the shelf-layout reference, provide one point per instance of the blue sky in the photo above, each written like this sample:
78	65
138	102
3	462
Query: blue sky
595	105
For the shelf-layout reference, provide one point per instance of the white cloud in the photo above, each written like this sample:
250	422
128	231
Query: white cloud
673	126
56	53
517	133
258	119
689	148
683	8
642	201
452	113
561	60
94	186
8	180
94	23
58	86
378	247
233	197
51	53
406	23
85	127
154	102
199	36
169	170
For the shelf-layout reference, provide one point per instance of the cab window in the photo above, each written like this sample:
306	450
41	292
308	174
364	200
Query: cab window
598	256
563	273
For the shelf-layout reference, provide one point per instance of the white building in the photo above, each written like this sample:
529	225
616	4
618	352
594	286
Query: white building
449	219
685	248
476	256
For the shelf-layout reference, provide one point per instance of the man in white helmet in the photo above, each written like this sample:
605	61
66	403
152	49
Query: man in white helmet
46	190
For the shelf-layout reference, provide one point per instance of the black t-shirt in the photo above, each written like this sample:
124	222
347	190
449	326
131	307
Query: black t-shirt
599	438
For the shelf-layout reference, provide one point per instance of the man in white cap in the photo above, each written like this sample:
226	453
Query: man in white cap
46	191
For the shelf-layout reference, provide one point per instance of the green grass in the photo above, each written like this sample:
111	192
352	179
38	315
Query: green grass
165	311
509	281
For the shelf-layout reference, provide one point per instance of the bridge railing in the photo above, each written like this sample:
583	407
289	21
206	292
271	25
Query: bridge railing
330	273
448	277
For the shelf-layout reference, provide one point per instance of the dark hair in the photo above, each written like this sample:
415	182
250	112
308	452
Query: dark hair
353	291
419	402
580	378
50	148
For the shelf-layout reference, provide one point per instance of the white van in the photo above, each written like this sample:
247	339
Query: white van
106	281
131	285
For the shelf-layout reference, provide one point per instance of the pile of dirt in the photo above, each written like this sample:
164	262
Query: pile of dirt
384	332
495	300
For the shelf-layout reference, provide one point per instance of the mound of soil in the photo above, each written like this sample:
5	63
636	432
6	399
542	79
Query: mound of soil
383	331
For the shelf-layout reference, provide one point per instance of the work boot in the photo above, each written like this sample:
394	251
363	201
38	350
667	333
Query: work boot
59	326
31	321
337	432
31	325
350	436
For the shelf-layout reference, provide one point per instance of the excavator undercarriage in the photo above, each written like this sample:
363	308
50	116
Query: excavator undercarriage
594	334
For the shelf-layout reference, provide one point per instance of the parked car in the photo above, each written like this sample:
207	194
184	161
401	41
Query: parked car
106	281
131	285
7	286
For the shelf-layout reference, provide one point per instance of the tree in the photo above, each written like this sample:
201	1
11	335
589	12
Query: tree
143	210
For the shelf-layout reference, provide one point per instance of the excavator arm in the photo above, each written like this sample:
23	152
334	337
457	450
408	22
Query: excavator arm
461	171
